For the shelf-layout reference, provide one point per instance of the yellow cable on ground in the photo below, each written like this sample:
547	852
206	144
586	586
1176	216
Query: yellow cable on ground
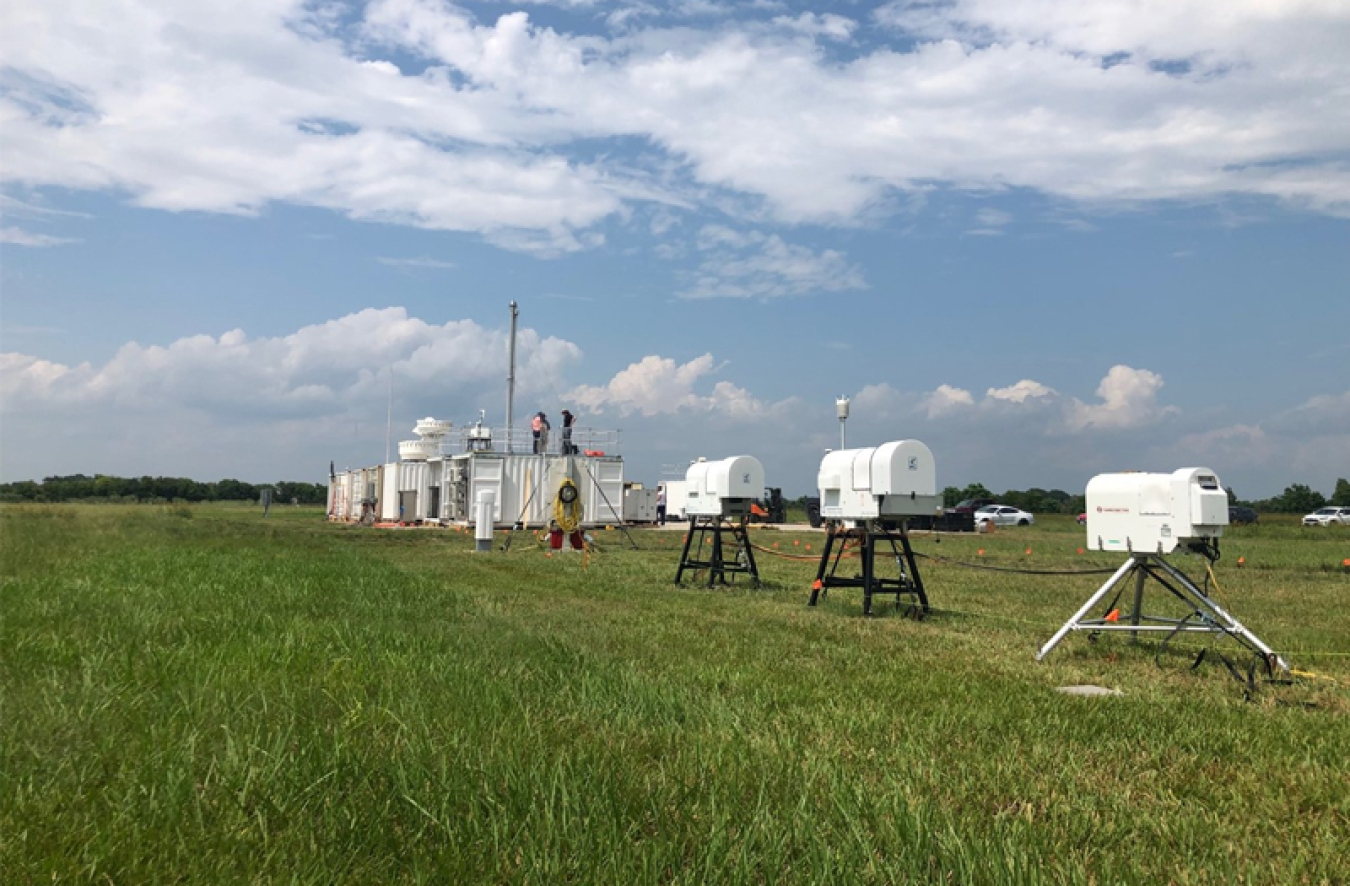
567	509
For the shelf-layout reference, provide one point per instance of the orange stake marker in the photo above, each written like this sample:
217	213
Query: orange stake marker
1113	615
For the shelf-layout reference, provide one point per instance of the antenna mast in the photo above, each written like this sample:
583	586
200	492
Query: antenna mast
511	381
389	416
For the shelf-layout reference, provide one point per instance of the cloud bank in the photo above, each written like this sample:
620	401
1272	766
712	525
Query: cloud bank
417	112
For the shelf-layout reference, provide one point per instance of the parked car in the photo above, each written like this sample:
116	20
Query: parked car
969	505
1328	517
1082	519
1242	516
1002	515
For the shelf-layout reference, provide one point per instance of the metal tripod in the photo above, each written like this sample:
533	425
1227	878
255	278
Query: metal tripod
1205	617
718	564
868	536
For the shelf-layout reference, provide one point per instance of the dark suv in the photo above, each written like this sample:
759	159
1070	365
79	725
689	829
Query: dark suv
1242	516
970	505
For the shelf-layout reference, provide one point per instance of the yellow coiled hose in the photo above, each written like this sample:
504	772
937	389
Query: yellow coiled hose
567	508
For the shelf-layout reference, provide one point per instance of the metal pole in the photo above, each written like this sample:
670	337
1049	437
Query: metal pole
841	410
511	381
389	416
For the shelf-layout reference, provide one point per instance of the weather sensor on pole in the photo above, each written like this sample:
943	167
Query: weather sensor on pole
1149	516
867	496
718	505
841	409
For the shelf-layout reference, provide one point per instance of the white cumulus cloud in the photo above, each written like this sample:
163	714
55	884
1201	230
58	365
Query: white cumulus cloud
1129	399
658	385
324	368
420	113
946	399
1024	390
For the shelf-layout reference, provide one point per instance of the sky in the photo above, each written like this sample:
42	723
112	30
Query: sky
1047	239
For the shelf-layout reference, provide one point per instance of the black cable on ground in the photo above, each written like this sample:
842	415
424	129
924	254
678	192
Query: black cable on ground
988	568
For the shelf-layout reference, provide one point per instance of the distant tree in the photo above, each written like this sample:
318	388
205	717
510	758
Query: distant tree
235	490
1341	496
975	490
1041	501
304	493
78	487
950	496
1298	498
22	490
1232	496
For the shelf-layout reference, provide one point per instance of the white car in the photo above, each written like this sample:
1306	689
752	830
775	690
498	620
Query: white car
1327	517
1002	515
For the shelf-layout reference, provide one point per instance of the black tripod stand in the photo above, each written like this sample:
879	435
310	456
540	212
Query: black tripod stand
868	535
722	537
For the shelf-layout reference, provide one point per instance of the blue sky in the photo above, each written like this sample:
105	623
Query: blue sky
1047	239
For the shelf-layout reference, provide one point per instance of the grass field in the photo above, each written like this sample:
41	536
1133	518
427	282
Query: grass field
196	693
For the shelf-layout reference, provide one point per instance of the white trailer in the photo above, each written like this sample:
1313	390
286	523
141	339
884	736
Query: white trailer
677	498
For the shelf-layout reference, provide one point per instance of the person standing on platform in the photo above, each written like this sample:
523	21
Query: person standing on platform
567	447
537	427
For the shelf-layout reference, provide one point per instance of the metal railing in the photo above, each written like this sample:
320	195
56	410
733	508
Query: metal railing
521	441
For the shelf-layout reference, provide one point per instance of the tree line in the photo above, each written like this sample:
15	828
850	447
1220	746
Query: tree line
1296	499
101	487
1033	500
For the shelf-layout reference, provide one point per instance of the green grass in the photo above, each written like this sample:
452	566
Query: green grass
196	693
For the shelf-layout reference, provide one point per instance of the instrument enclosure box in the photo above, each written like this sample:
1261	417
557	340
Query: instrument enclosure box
897	479
723	488
1154	513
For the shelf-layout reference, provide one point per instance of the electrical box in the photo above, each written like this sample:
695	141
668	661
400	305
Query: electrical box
1154	513
897	479
723	488
639	505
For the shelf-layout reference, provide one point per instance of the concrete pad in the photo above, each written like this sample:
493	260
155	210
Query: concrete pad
1089	691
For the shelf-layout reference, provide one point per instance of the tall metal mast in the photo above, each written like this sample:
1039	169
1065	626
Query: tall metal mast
389	416
511	381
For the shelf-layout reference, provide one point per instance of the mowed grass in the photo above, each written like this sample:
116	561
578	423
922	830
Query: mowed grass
201	694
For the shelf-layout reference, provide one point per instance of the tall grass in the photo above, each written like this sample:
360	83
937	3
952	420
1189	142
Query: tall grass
228	698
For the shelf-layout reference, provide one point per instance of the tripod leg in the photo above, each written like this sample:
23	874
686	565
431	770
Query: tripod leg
684	554
749	552
1138	613
715	570
869	567
1086	607
824	562
914	574
1231	625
